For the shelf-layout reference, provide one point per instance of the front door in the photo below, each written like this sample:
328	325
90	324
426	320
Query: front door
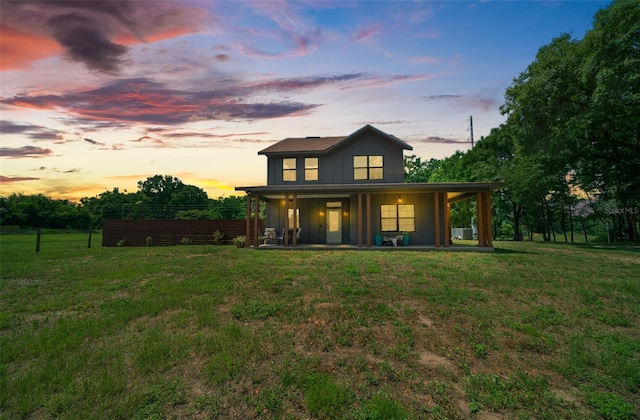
334	226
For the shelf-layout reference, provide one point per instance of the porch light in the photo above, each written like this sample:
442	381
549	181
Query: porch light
399	199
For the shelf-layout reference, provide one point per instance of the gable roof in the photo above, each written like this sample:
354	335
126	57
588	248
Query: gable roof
323	144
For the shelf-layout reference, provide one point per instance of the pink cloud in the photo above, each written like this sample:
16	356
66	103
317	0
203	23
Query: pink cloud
95	33
12	179
366	32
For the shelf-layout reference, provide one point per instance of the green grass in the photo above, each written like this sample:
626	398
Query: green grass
533	330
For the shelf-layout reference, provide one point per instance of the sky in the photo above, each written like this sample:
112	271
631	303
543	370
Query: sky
96	95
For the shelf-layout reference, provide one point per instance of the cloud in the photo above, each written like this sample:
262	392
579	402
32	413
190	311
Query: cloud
444	97
154	142
95	33
485	103
210	135
141	100
85	42
93	142
366	32
19	48
25	152
223	57
381	122
12	179
291	45
32	131
145	101
437	139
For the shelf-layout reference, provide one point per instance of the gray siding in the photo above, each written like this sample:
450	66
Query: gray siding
337	167
424	216
313	211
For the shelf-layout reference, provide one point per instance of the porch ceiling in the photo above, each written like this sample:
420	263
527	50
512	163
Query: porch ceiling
455	190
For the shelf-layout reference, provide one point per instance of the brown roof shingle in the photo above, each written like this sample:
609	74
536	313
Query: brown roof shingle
304	144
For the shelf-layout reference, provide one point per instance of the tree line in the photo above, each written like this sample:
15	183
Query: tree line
569	151
157	197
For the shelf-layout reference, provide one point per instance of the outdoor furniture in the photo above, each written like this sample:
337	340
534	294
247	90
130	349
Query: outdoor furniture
394	240
281	237
269	237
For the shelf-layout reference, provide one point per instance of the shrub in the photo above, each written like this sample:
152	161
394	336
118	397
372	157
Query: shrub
240	241
217	237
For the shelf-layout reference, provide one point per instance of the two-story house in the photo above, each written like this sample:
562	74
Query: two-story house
351	190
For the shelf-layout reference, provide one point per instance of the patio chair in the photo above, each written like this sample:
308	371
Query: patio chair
270	236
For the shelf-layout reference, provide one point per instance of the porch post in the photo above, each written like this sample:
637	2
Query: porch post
256	207
489	239
447	220
369	220
247	228
481	218
436	217
360	219
285	240
294	237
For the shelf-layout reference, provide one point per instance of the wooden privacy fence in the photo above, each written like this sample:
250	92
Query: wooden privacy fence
172	232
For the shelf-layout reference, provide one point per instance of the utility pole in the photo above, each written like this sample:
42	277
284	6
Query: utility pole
471	128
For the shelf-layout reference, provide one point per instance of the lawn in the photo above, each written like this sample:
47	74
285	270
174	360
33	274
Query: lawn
533	330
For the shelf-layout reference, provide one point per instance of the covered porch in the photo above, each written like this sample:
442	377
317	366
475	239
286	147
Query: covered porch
356	216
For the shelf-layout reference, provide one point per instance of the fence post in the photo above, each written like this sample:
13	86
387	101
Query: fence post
90	233
38	241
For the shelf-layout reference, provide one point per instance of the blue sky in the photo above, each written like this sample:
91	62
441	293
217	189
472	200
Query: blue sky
99	94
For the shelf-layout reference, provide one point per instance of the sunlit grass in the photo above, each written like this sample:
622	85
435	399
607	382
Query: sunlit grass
532	330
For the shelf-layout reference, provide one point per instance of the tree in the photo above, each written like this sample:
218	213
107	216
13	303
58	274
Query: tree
165	195
418	171
578	105
39	211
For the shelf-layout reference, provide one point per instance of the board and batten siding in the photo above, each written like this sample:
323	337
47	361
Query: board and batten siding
337	167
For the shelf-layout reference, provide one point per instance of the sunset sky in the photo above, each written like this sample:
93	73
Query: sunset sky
102	94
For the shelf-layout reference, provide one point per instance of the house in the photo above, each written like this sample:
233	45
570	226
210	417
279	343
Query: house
351	190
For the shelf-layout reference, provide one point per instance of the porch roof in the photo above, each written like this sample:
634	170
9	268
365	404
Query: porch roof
455	190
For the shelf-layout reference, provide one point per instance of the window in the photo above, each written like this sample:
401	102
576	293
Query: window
291	219
311	169
406	218
389	218
289	169
397	218
367	167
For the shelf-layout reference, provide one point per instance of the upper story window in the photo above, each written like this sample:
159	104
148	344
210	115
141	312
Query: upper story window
311	169
367	167
289	169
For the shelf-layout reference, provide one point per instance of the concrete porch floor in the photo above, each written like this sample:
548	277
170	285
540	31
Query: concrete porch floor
324	247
